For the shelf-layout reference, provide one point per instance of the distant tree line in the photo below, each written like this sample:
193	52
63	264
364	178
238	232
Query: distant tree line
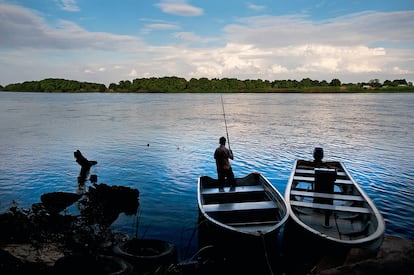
178	84
55	85
181	85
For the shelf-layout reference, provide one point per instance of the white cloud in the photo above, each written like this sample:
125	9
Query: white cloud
324	58
255	7
133	73
362	28
352	48
68	5
161	26
179	7
397	70
362	67
190	37
277	69
21	28
158	25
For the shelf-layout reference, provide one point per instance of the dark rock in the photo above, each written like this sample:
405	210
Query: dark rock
55	202
106	202
396	256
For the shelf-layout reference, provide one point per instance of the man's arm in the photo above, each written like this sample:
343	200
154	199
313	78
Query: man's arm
231	154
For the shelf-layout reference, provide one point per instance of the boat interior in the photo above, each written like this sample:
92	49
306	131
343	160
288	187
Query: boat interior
324	198
250	206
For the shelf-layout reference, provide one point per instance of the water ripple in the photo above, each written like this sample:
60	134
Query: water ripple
162	143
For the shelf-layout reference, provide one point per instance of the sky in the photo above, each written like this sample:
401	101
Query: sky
106	41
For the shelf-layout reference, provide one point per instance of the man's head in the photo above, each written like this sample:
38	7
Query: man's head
222	141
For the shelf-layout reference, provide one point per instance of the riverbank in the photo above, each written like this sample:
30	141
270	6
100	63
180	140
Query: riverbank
396	256
204	85
39	239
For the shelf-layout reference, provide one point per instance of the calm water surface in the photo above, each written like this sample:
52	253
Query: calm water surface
371	133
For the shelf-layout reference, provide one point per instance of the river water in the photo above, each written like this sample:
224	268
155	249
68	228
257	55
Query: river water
161	143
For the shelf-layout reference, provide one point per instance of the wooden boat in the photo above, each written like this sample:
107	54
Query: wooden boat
325	200
253	208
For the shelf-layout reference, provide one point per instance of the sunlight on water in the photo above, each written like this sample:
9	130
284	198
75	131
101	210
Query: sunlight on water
162	143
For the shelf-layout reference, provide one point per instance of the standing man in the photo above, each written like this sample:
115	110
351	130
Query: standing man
224	170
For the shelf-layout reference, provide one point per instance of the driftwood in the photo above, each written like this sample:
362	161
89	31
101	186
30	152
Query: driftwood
85	166
84	162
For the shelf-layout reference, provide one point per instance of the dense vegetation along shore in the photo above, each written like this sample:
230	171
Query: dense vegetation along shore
180	85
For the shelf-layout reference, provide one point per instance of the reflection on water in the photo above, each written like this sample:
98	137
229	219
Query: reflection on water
161	144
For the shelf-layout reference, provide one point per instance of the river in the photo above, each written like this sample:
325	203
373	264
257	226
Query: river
161	143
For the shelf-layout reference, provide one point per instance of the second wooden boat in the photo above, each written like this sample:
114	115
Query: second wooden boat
325	201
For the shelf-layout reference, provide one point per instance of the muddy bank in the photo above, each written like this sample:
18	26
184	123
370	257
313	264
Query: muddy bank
396	256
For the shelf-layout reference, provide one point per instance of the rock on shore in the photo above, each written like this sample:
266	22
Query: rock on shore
396	256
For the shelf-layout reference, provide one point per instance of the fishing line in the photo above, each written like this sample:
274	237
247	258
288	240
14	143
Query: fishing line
225	122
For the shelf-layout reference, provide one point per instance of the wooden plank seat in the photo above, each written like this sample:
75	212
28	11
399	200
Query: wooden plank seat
312	179
312	172
257	228
239	206
326	195
270	222
331	207
237	189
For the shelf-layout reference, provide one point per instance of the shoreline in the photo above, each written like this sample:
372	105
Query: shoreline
203	85
407	90
395	256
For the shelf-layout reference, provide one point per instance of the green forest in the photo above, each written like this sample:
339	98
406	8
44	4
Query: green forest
203	85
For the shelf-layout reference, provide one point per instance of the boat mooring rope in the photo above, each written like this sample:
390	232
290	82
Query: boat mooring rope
265	251
192	236
336	224
200	251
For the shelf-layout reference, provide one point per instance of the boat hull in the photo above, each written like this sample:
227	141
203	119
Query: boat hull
253	208
242	225
236	253
328	205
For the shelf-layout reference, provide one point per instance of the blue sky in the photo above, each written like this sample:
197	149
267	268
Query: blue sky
108	41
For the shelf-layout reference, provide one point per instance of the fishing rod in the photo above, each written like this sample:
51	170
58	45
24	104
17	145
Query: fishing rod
225	122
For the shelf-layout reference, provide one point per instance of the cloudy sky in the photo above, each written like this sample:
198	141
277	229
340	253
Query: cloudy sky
107	41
